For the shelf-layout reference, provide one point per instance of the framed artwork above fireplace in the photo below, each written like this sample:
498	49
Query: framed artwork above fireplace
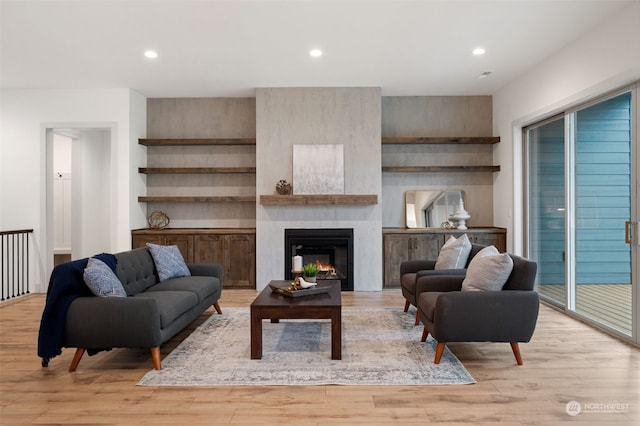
318	169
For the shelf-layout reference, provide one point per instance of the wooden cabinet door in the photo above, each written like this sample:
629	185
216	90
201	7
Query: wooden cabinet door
240	266
209	249
236	252
484	238
138	241
184	243
491	239
396	249
426	246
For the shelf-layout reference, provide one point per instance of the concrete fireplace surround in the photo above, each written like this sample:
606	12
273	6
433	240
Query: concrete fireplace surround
282	117
348	116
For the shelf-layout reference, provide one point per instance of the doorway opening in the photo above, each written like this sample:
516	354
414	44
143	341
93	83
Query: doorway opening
79	193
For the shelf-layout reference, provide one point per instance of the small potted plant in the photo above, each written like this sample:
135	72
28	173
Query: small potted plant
309	272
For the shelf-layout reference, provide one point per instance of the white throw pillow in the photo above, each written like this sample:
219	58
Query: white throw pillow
454	253
489	270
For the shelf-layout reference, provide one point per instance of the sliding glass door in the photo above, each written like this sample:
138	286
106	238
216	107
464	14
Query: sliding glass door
602	196
546	230
582	210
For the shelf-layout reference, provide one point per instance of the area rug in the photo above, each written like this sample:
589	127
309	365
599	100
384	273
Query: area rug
380	346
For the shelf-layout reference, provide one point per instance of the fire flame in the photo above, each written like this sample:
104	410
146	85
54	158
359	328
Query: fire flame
325	267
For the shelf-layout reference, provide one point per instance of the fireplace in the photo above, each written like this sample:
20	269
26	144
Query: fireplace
330	249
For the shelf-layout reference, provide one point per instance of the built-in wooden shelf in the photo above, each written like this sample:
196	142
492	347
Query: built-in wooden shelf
193	231
199	199
318	200
195	170
209	141
442	169
440	140
426	140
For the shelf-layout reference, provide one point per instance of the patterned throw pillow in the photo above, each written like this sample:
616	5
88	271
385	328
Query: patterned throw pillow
454	253
101	280
489	270
109	259
169	262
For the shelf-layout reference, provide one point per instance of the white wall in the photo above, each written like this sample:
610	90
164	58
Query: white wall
94	190
25	114
606	58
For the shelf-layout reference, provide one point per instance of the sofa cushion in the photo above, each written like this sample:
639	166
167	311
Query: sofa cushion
171	304
202	286
488	271
101	280
136	270
454	253
169	262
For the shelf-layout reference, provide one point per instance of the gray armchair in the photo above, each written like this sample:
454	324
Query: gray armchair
452	315
412	271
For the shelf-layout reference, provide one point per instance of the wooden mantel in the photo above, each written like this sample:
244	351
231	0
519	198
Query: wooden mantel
318	199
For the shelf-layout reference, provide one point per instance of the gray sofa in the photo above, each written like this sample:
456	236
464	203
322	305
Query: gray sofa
151	314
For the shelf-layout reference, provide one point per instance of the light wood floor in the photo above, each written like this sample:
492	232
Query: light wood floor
610	304
566	361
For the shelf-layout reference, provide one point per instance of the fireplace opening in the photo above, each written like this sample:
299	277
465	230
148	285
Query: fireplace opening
330	249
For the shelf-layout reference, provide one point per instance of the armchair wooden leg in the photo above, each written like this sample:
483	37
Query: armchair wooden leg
76	360
439	351
516	352
425	334
406	305
155	354
216	306
417	318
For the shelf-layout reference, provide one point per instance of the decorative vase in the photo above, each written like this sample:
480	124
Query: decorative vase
283	187
309	279
460	217
158	220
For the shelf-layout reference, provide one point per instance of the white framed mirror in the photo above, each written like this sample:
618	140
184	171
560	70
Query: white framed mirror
431	208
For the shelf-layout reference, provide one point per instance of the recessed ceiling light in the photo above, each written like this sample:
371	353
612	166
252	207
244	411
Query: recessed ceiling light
151	54
478	51
316	53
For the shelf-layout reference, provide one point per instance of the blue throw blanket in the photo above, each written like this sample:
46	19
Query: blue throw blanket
65	285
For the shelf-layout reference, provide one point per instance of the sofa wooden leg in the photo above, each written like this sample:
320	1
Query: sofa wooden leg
76	359
155	354
439	351
216	306
425	334
516	352
406	305
417	319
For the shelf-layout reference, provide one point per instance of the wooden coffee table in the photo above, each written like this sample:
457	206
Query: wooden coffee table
273	306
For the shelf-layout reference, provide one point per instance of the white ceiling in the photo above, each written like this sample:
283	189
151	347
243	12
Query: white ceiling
228	48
